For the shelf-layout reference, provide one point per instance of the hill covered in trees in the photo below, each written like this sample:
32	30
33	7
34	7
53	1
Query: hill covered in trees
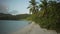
13	17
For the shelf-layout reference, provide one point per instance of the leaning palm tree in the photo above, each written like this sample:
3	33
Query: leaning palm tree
43	6
33	6
33	10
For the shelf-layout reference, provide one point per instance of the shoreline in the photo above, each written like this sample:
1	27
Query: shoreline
34	29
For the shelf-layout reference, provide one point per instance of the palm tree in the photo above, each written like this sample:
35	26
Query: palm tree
43	6
33	6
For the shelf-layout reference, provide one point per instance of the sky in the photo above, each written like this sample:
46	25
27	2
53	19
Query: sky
16	6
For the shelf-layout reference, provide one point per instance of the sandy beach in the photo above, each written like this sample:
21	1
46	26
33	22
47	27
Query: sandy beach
34	29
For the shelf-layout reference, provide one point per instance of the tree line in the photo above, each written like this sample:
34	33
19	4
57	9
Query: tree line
46	13
13	17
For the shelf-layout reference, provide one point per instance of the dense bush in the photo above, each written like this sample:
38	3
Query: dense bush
48	16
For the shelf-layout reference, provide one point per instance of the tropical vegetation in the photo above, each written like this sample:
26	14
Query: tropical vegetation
13	17
46	13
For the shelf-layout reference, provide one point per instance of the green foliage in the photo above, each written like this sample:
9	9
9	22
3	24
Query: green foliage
48	16
13	17
33	6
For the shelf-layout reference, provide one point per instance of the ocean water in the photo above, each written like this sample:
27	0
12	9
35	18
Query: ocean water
7	26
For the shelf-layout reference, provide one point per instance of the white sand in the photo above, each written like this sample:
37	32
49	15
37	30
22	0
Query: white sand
34	29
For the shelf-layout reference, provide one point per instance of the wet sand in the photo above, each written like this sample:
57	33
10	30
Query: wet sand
34	29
